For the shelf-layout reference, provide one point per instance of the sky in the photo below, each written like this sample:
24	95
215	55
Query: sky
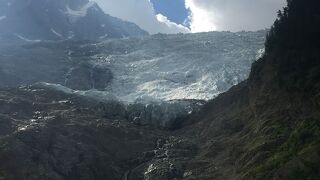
191	16
175	10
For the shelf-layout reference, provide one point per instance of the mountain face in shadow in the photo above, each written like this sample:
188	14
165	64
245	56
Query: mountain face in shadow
267	127
61	19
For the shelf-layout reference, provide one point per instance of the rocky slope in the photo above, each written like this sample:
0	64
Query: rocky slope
268	126
47	134
40	20
50	135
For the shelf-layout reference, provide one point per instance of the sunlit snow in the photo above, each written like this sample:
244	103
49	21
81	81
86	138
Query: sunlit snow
170	67
74	15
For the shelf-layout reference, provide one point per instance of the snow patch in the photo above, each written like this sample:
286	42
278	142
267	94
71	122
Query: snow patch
27	40
260	53
102	96
103	37
3	17
70	34
56	33
74	15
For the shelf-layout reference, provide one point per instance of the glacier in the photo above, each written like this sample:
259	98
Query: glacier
160	79
151	80
164	114
173	67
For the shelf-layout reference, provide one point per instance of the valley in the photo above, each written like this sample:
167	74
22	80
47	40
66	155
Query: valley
87	96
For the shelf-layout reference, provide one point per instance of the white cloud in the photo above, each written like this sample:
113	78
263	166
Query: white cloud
142	13
204	15
232	15
200	19
164	20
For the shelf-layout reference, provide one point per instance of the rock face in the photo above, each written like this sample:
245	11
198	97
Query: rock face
164	114
36	20
87	76
50	135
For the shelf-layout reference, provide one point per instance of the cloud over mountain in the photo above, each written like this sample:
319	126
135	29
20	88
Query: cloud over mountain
204	15
232	15
142	13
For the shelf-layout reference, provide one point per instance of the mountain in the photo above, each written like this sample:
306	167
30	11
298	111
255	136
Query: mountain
157	79
159	67
34	20
266	127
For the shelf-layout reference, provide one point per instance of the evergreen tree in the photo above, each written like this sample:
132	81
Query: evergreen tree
297	26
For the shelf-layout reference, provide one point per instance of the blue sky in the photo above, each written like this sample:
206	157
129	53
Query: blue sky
174	9
168	16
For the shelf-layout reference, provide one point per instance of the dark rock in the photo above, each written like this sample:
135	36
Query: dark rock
62	136
101	77
168	115
80	78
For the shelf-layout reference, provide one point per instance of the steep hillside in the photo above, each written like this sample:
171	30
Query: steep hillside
268	126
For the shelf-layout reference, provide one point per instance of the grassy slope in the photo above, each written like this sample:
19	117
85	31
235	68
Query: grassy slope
267	127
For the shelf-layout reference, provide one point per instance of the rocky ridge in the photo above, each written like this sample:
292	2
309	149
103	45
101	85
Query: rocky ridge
56	20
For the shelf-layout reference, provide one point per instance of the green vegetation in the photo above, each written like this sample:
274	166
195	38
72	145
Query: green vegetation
303	145
291	64
2	175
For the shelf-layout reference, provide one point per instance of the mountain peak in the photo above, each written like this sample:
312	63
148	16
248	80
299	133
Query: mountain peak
61	19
